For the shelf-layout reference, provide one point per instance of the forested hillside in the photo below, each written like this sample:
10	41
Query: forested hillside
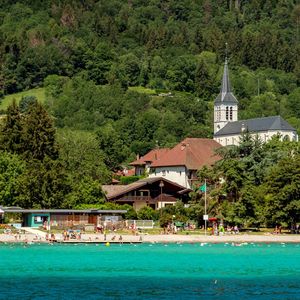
120	77
176	46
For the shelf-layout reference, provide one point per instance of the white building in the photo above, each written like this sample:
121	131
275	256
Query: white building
227	128
181	163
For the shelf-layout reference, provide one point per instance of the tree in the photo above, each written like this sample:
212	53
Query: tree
39	134
42	185
147	213
113	147
11	169
26	102
11	135
84	191
282	193
81	156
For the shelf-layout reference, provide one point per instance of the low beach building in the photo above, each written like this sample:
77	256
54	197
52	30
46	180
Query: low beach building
63	218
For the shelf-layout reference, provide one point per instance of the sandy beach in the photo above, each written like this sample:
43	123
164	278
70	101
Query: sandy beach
169	238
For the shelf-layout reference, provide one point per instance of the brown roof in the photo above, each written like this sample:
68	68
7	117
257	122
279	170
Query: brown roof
151	156
193	153
113	191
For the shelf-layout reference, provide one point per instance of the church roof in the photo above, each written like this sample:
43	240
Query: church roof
255	125
226	96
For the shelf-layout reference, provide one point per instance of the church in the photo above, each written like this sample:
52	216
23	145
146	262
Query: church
227	127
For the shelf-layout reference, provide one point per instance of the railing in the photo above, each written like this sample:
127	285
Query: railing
143	224
162	197
135	198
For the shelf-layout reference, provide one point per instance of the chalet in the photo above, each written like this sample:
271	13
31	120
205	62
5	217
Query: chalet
155	192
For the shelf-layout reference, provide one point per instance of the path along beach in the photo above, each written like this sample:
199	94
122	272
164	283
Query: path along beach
162	238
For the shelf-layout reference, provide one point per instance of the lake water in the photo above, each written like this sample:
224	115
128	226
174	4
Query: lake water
150	271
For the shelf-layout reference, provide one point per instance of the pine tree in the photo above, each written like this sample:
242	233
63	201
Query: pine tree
39	134
11	132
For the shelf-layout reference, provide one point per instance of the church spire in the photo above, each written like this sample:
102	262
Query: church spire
226	88
226	96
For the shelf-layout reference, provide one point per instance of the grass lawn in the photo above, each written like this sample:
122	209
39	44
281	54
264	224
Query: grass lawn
39	93
142	90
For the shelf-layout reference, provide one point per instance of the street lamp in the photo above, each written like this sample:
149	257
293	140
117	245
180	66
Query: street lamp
161	185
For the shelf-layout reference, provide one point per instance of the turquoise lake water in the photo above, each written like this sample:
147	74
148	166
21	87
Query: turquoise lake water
150	271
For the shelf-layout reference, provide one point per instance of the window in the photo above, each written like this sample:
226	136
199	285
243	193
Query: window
286	138
227	112
163	172
230	113
180	173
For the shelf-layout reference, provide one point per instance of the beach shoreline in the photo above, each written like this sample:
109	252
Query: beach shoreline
169	238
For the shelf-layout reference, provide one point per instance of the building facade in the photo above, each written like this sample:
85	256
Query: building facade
181	163
156	193
227	128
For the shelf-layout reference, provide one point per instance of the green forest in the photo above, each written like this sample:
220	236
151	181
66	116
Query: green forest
121	77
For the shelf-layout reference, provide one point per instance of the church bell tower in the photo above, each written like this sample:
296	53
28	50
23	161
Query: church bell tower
225	105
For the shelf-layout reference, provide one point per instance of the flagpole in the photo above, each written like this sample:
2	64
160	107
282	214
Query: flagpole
205	221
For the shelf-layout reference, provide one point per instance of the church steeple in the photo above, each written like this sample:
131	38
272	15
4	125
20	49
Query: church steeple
226	105
226	95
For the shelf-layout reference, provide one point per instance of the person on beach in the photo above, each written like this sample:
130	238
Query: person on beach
221	229
236	229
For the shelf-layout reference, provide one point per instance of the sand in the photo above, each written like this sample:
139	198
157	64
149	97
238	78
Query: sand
169	238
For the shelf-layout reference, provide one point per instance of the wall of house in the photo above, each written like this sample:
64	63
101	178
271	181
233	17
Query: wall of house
139	204
36	219
176	174
164	204
263	135
139	170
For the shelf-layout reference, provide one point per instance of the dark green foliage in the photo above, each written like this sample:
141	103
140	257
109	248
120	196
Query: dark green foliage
255	184
149	43
39	134
129	179
88	54
11	169
26	102
11	138
80	155
147	213
42	185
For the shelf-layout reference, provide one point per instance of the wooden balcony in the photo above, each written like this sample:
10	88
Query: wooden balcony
149	199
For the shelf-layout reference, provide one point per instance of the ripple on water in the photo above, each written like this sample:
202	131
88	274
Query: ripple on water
150	271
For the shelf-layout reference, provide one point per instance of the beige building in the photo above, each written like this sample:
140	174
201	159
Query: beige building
227	128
